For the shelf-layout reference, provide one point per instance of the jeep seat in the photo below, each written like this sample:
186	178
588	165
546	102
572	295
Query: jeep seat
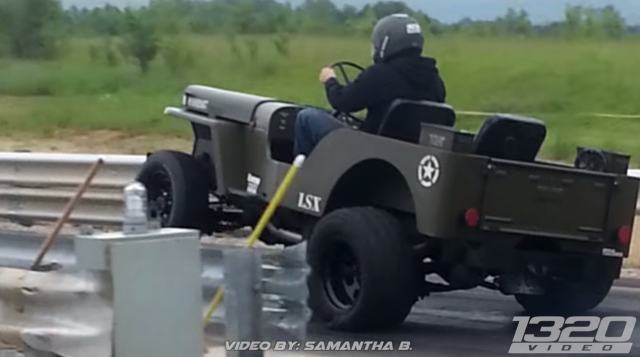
404	118
510	137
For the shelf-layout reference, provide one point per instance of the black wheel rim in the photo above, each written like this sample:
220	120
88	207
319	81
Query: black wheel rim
160	195
342	279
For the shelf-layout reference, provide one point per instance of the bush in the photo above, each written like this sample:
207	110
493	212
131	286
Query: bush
281	43
177	56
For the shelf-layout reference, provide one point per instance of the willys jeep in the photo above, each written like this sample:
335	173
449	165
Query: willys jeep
383	210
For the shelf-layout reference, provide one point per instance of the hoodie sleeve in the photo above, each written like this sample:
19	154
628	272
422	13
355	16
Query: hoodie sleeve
355	96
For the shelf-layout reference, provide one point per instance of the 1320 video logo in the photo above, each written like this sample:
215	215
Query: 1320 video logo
559	338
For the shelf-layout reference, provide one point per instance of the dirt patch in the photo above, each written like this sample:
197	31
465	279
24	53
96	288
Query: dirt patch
92	142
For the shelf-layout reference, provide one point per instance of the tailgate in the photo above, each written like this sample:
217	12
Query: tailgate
546	201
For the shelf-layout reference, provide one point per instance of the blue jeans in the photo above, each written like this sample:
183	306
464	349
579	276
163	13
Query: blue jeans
312	125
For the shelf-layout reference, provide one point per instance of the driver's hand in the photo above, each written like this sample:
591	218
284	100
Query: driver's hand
326	74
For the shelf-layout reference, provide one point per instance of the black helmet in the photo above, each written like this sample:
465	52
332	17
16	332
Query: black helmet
394	34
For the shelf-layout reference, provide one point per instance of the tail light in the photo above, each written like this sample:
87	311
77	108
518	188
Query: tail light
624	235
471	217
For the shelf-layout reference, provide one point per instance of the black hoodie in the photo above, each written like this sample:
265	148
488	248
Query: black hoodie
406	77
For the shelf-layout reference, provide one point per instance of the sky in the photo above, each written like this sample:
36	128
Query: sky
540	11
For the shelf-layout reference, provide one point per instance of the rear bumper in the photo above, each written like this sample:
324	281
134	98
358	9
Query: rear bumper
563	264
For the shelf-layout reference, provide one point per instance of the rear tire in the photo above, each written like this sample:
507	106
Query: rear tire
178	187
384	270
567	298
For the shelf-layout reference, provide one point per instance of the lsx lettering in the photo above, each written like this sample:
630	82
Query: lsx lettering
309	202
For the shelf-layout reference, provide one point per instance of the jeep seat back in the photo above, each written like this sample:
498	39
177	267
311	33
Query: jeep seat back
404	117
510	137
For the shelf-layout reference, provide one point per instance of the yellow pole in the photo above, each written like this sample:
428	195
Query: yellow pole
262	223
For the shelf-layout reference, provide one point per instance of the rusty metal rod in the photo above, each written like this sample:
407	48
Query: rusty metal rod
73	202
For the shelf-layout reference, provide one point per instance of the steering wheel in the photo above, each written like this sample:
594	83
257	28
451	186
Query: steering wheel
348	118
342	64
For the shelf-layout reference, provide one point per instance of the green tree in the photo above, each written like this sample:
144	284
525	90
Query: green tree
363	25
275	17
574	21
320	16
141	42
613	23
31	29
516	22
384	8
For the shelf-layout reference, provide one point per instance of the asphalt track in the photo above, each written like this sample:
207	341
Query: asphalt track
474	323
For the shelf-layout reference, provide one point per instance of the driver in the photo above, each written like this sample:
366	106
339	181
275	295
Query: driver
399	71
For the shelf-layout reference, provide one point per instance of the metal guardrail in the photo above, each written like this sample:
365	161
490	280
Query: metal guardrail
36	186
282	296
52	311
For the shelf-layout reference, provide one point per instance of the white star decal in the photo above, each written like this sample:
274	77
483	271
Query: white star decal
428	171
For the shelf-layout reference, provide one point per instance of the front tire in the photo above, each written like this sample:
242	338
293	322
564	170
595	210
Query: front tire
363	274
177	187
566	298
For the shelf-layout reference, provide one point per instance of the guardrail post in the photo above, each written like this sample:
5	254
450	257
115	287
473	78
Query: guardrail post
296	271
288	281
243	299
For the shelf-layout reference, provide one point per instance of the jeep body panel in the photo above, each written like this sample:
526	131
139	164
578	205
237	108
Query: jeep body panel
250	143
221	103
432	205
511	197
212	138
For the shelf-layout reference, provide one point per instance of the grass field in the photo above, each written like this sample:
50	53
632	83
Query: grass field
554	80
